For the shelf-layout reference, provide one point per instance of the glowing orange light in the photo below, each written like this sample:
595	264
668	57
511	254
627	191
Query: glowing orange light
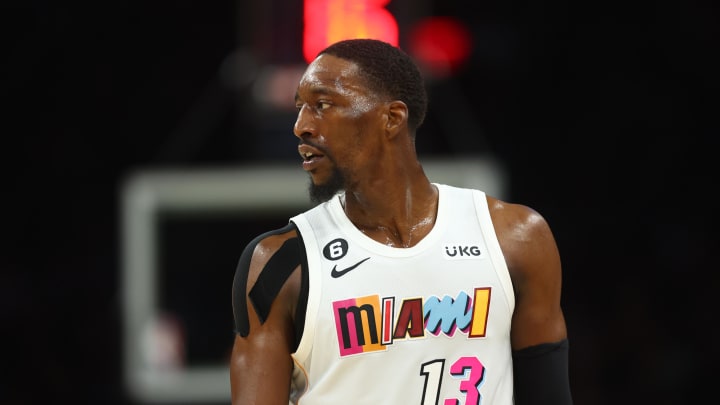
329	21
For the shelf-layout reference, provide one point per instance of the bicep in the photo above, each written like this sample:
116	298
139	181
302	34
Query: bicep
261	366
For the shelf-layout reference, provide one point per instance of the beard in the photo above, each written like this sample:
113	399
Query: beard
320	193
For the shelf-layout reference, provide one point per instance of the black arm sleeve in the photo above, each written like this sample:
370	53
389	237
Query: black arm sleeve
541	374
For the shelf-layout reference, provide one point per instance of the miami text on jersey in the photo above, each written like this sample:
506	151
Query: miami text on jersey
367	324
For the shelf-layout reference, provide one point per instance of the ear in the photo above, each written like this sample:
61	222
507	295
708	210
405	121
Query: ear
396	118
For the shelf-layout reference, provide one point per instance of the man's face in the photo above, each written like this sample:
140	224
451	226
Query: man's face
338	125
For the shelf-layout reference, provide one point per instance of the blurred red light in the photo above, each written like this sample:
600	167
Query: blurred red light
441	44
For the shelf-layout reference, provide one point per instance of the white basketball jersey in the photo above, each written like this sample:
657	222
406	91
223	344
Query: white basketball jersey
425	325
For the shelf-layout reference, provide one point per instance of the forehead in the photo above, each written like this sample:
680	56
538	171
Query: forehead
330	73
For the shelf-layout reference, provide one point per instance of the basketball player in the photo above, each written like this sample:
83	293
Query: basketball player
393	289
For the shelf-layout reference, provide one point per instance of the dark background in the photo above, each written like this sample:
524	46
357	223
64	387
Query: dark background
604	116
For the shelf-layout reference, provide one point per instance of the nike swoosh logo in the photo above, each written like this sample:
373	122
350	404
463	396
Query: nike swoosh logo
335	273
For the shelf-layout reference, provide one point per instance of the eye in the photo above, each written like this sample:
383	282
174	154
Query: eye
323	105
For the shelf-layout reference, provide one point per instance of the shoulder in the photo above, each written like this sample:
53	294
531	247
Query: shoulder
525	237
265	266
262	248
517	219
269	242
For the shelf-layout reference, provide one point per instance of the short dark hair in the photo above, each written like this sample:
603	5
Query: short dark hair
389	71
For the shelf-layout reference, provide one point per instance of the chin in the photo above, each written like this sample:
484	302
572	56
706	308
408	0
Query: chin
322	190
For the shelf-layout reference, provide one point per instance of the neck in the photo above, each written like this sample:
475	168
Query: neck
394	213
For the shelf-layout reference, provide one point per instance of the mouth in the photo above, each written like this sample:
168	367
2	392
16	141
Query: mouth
309	155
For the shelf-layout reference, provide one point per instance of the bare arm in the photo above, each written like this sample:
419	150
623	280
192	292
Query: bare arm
534	263
261	366
538	332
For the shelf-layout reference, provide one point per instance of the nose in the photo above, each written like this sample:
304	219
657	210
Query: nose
303	124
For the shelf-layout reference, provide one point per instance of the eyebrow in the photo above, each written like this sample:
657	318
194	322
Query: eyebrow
319	90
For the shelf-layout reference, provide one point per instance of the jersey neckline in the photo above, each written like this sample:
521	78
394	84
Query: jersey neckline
338	214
